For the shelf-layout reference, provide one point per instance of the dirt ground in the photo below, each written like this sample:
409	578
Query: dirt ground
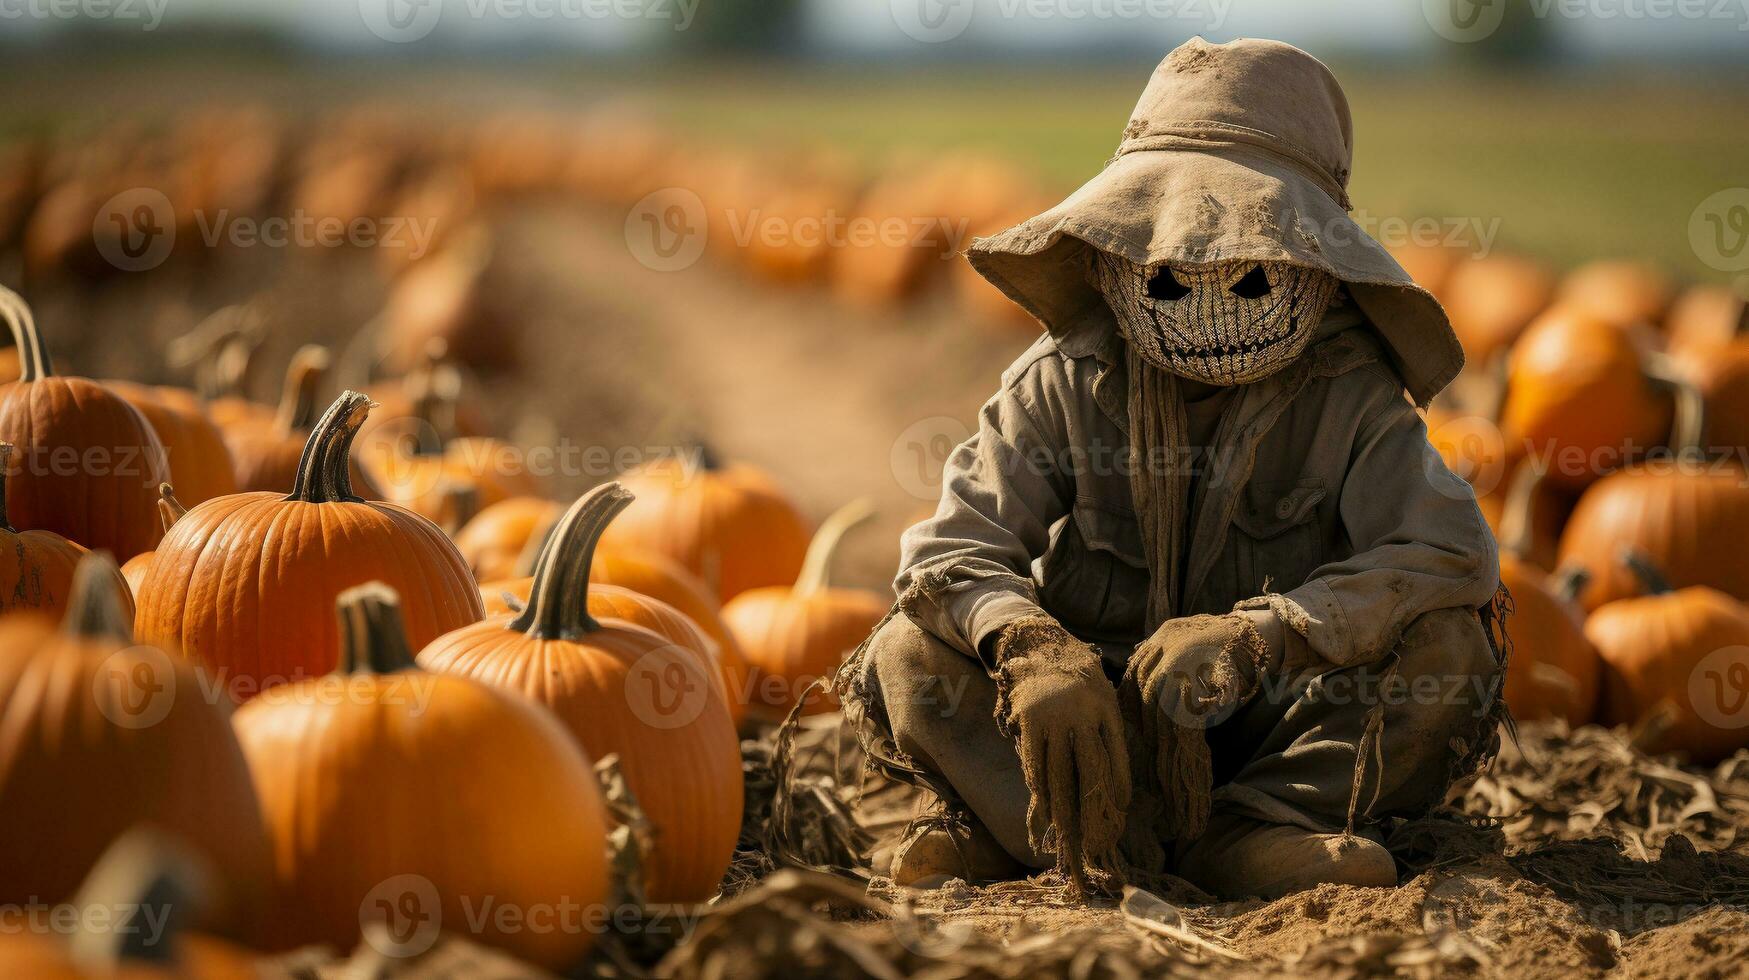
1577	856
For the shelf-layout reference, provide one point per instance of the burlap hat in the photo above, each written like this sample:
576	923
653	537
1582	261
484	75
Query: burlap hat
1236	151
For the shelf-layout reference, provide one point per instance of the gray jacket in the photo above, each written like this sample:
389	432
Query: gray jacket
1322	500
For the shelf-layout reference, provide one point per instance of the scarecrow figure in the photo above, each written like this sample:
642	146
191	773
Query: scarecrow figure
1199	596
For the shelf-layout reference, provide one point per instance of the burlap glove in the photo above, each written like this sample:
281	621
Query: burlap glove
1194	672
1054	701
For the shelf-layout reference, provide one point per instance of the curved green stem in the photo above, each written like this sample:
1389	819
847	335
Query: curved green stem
324	470
816	570
33	357
372	639
558	601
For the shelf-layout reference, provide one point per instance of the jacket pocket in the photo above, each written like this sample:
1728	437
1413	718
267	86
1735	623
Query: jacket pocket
1094	580
1279	544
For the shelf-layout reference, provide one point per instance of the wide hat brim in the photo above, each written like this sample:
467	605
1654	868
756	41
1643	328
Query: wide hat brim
1212	204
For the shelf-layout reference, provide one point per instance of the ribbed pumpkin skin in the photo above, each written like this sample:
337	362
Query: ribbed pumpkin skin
1547	630
111	504
626	690
1651	646
790	640
1689	524
1576	383
246	584
731	527
493	541
36	571
74	775
367	777
200	465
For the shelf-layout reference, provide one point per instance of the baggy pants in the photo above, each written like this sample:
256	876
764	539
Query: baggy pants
1409	725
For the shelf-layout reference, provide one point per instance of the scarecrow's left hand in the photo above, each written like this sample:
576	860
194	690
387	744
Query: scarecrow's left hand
1196	669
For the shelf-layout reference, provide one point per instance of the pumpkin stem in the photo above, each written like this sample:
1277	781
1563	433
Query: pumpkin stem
33	357
170	510
297	400
817	565
436	392
220	349
6	451
1689	425
154	875
95	609
324	474
1517	516
1570	582
372	639
558	601
460	502
1651	577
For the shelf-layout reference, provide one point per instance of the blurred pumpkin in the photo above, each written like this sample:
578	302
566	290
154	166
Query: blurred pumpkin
110	734
444	296
265	450
198	458
279	561
495	541
621	689
1553	671
1491	299
795	635
1429	265
1706	317
1621	293
88	464
729	525
381	773
36	572
1677	660
1578	395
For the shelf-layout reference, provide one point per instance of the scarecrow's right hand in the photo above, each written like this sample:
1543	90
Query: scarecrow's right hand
1054	700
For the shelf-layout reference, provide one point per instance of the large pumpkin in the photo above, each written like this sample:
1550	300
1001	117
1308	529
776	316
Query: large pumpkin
795	635
200	463
1621	293
387	790
620	689
103	734
244	583
1682	654
1578	396
1553	670
36	567
729	525
1685	517
88	464
1491	299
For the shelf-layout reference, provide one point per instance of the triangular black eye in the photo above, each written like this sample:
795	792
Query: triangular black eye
1252	285
1165	286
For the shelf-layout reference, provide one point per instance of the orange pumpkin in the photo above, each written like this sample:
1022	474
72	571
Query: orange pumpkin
133	570
198	459
729	525
1431	266
1682	654
494	543
1677	514
1491	299
89	464
36	567
107	734
383	785
1621	293
795	635
1578	396
620	689
1706	317
1554	670
243	583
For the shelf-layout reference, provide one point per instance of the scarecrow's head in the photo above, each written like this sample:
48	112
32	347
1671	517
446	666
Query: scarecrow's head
1226	323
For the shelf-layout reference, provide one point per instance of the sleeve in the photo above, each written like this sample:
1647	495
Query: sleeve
966	572
1419	544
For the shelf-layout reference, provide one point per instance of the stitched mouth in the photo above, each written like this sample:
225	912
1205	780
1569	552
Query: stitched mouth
1250	347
